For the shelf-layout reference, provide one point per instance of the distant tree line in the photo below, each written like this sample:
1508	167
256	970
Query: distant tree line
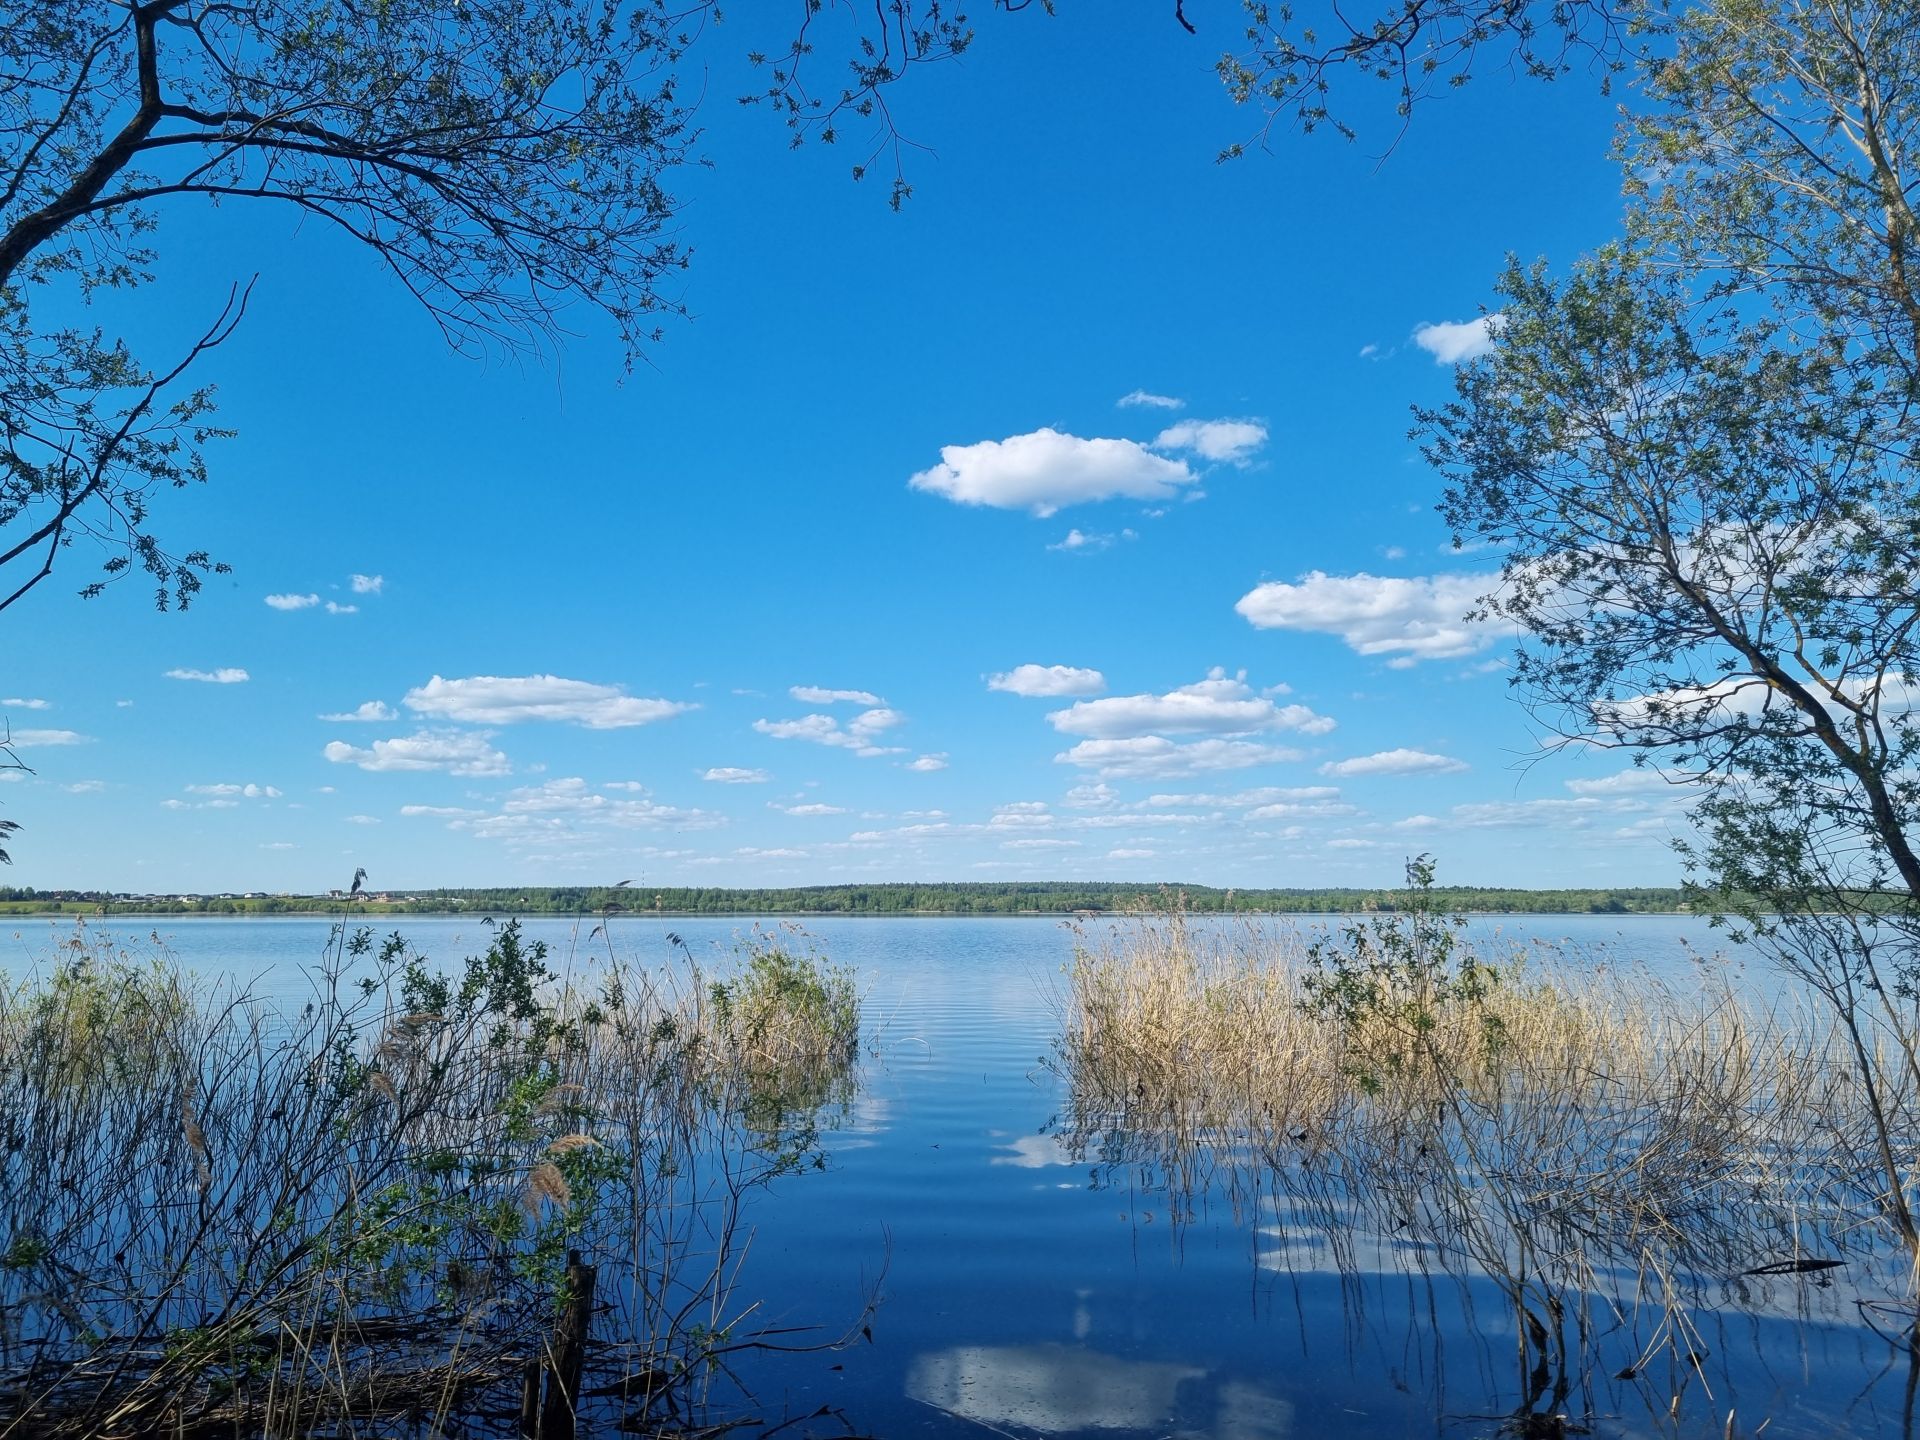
1049	897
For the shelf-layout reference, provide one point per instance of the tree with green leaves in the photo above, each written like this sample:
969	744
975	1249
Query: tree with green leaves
1695	451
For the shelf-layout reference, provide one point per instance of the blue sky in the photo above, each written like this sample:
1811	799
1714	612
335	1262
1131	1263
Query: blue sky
1062	525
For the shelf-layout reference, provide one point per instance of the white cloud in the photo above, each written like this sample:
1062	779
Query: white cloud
368	584
1395	762
371	710
1637	780
806	809
1082	542
1228	440
1095	795
1156	757
247	792
1048	680
1218	705
814	695
507	700
861	734
1047	470
26	704
1242	799
35	739
735	775
362	820
439	812
1452	341
927	764
334	607
226	675
1418	618
1033	844
1130	855
559	812
85	787
1527	814
1135	398
293	602
451	751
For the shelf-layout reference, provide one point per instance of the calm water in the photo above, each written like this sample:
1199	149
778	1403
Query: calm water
1028	1295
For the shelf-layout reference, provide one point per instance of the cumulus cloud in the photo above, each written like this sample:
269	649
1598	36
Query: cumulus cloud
812	809
1156	757
861	734
507	700
293	602
229	791
1226	440
445	750
371	710
926	764
1047	470
1136	398
334	607
26	704
1048	680
1452	341
1412	619
1396	762
226	675
35	739
1218	705
735	775
814	695
368	584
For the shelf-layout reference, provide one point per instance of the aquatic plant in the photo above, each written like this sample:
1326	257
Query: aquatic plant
374	1213
1613	1155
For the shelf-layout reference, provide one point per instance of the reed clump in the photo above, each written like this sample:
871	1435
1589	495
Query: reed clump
1610	1153
219	1217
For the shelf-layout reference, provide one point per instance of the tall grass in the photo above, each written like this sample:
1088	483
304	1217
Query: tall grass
220	1217
1611	1153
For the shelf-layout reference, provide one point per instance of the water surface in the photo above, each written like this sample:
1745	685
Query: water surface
1031	1293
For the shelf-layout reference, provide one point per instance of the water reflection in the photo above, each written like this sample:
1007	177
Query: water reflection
1613	1205
1053	1389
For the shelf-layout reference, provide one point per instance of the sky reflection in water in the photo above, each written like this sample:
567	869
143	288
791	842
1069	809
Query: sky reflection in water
1030	1294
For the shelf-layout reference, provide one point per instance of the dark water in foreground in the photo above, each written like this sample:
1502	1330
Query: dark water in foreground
1025	1294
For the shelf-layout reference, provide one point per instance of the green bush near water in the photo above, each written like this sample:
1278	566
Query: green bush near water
217	1214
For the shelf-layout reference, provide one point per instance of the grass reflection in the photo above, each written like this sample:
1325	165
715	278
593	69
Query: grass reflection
1624	1164
371	1216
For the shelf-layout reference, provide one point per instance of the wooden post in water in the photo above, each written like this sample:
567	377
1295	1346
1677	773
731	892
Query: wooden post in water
569	1353
530	1400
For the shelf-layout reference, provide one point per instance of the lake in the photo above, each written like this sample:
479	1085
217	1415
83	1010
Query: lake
1032	1291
